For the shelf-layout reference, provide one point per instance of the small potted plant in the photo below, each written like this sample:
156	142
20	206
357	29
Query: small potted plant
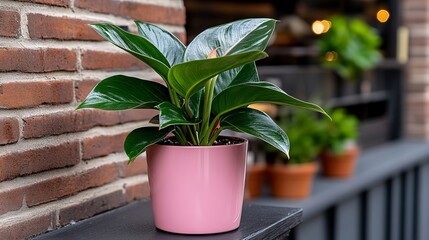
293	177
196	176
350	47
340	151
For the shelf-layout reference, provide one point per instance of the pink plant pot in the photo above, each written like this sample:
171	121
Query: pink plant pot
197	189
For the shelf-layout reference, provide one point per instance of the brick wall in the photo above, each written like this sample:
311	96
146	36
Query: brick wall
416	17
59	165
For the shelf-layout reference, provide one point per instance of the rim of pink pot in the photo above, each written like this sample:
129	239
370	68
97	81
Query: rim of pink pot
245	141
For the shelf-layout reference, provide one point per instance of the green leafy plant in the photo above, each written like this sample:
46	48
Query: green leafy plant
343	129
304	131
349	47
208	85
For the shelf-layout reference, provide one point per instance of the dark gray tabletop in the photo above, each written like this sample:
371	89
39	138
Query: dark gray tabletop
135	221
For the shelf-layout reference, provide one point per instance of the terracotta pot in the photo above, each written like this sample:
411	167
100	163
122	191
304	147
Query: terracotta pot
293	180
197	189
340	165
255	179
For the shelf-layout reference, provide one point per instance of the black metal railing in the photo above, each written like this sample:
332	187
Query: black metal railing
387	199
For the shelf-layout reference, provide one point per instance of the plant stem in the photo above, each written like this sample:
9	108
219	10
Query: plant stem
212	126
215	135
180	136
196	133
187	109
208	98
191	133
173	97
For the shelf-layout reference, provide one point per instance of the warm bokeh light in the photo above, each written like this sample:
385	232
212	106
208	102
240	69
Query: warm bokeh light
269	109
326	25
320	27
383	15
331	56
317	27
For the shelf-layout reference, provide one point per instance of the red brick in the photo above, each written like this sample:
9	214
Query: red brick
419	42
9	130
28	227
83	88
30	94
37	60
51	124
419	131
95	60
50	27
36	160
134	10
135	115
62	3
55	188
102	145
417	88
91	207
137	167
88	118
420	64
417	110
416	17
11	200
152	13
415	5
66	122
137	191
10	26
101	6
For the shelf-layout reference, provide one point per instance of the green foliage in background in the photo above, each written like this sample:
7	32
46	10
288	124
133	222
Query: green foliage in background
349	47
341	130
208	84
305	136
309	134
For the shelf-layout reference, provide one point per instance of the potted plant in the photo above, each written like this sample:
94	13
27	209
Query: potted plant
349	48
293	177
339	142
196	176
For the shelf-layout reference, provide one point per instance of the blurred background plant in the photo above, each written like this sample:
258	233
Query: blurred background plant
309	134
337	134
305	137
293	177
350	47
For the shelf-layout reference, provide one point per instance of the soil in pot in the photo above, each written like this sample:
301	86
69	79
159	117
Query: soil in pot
340	165
292	180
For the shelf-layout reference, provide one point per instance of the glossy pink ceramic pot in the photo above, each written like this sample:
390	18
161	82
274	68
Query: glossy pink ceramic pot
197	190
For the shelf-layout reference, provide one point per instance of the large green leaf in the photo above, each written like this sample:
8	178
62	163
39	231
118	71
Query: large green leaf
241	95
189	77
258	124
141	138
246	73
232	38
196	103
121	92
135	45
168	44
170	115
